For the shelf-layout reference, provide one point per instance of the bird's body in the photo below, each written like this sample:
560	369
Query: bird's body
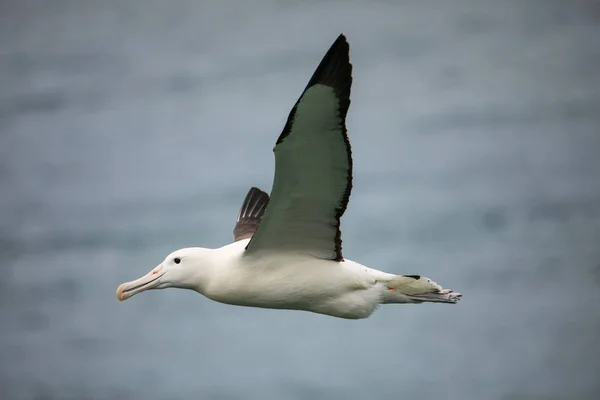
343	289
287	252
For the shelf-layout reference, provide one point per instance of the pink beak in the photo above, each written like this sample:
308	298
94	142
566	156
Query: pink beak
146	282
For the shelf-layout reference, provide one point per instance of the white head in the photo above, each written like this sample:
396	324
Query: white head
187	268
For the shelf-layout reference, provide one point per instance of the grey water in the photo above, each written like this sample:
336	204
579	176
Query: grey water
129	129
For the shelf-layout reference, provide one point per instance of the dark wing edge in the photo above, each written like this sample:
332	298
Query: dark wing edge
250	214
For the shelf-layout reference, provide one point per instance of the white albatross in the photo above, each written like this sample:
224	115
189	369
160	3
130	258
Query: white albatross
287	252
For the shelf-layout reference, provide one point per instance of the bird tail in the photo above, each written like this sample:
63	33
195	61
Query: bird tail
417	289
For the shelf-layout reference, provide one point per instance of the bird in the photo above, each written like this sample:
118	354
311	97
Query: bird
287	248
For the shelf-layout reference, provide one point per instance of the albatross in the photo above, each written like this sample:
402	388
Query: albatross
287	248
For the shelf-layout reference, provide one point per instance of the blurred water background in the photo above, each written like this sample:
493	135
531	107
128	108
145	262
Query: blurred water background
129	129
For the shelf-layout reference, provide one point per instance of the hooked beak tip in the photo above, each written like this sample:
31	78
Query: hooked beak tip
120	295
146	282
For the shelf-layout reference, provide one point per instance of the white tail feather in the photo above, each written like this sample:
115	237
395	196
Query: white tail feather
417	289
413	284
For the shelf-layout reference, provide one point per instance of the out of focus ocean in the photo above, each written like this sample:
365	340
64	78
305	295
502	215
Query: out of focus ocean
129	129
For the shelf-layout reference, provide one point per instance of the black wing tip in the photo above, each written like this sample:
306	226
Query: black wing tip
335	69
341	45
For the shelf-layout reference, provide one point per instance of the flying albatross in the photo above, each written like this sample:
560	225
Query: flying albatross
287	252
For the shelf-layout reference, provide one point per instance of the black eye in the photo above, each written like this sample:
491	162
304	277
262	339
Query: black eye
177	260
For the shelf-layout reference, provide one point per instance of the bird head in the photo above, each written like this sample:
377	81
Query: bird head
184	268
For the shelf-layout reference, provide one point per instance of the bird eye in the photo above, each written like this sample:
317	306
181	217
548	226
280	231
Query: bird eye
177	260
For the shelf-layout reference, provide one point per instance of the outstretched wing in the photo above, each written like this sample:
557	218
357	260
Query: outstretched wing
313	166
250	214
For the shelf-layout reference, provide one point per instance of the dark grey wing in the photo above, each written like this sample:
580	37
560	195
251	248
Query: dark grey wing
250	214
313	166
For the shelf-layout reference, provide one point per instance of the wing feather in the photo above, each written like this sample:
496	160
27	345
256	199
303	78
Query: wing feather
250	214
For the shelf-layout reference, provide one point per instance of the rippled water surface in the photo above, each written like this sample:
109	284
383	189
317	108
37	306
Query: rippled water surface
130	129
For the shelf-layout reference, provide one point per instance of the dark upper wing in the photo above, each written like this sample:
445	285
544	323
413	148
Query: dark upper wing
250	214
313	166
